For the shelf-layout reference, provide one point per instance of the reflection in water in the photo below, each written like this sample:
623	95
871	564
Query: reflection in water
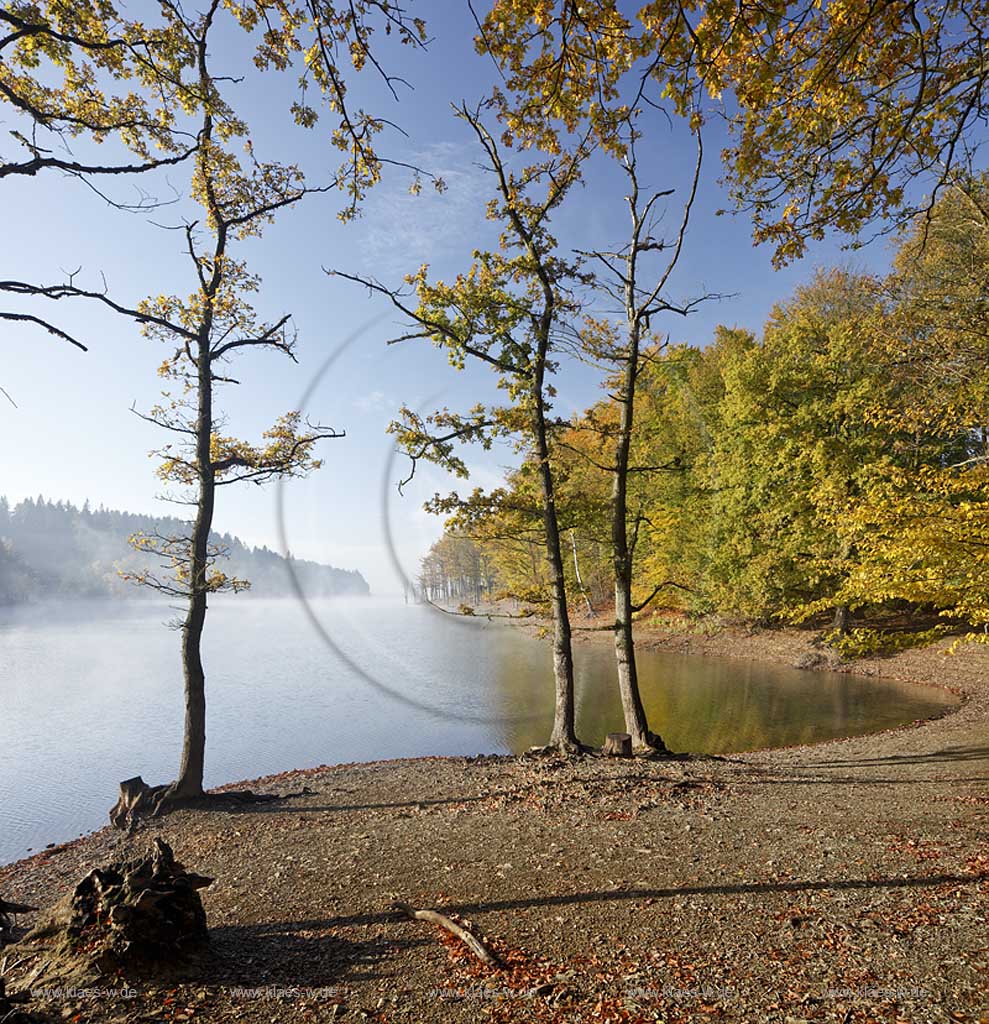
718	705
92	694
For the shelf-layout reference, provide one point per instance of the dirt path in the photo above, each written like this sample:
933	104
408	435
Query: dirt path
847	881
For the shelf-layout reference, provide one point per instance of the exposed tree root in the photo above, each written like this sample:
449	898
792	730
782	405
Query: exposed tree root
138	801
653	747
473	943
561	748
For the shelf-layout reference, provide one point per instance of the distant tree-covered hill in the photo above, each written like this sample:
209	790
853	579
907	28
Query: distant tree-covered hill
53	549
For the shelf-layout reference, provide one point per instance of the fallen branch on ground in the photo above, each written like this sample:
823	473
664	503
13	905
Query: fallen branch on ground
473	943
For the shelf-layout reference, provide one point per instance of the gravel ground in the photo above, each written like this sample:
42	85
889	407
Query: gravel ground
847	881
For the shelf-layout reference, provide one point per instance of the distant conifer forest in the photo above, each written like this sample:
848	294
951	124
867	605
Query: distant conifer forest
52	549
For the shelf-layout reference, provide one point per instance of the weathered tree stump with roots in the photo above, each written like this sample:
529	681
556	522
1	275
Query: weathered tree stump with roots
617	744
137	800
137	918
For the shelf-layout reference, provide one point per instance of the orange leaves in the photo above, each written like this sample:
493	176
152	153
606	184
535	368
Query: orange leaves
978	864
921	850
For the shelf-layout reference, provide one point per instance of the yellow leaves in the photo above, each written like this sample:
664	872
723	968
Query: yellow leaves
56	69
418	279
247	14
286	451
923	537
844	132
217	582
358	55
562	62
180	571
58	73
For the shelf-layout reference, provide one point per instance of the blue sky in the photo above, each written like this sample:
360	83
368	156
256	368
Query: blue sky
72	434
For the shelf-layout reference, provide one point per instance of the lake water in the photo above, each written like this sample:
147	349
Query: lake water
92	694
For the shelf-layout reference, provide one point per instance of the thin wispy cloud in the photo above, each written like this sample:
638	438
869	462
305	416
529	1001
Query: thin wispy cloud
401	231
373	401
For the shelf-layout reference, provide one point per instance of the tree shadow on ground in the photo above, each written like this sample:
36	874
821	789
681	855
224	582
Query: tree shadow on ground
739	889
295	954
948	755
282	807
805	773
619	896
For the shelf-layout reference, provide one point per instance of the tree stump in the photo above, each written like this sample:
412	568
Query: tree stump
617	744
137	800
137	918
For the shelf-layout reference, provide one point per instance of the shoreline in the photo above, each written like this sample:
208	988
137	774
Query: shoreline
844	881
712	645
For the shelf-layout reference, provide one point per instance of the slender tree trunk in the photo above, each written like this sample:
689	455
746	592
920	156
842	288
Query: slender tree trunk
636	724
190	780
564	735
842	619
576	572
842	613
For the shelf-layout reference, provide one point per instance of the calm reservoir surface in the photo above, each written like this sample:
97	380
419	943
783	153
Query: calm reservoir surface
92	694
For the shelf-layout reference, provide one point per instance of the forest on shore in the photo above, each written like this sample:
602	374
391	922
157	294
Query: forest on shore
52	549
834	465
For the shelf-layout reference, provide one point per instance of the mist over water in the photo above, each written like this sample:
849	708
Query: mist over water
92	694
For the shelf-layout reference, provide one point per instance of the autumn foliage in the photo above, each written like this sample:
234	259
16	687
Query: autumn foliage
838	460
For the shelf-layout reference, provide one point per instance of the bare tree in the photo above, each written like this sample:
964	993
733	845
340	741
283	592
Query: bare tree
640	303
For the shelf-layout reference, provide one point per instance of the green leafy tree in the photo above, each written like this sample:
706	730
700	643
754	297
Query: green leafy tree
795	451
510	311
921	526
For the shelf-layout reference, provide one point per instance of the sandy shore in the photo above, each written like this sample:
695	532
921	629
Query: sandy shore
846	881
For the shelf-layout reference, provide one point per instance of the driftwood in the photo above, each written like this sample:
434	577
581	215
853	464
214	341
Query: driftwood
136	917
472	942
617	744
